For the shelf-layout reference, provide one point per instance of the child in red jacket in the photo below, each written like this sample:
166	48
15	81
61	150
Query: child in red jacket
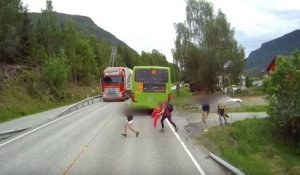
156	116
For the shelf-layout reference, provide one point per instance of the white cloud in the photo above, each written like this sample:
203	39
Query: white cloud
149	24
258	21
142	24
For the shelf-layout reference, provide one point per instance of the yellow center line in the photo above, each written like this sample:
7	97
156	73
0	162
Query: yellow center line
84	149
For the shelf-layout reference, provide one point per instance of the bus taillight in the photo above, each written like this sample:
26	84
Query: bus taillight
169	97
132	97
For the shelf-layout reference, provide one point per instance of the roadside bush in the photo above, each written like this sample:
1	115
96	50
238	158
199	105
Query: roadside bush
256	91
283	89
32	80
56	73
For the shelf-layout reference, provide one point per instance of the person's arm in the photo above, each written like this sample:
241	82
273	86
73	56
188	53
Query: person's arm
161	112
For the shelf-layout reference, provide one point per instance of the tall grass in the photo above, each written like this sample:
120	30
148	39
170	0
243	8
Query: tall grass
16	100
254	146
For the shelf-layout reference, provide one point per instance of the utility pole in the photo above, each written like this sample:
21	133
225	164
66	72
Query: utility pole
113	61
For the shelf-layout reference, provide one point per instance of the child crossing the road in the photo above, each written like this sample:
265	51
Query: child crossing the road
166	114
129	123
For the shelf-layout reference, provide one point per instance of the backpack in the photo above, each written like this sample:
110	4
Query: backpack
170	107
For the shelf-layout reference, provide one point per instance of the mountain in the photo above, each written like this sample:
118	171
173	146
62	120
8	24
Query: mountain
84	24
259	59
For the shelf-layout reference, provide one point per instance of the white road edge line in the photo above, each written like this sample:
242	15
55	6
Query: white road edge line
187	150
20	136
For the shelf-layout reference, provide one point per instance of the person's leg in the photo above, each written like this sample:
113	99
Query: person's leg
171	121
125	130
162	123
203	116
206	116
220	119
204	119
130	127
225	119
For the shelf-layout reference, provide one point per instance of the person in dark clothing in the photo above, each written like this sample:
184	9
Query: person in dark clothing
222	113
165	112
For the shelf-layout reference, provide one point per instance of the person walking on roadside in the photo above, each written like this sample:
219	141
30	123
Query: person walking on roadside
129	123
205	112
166	112
222	113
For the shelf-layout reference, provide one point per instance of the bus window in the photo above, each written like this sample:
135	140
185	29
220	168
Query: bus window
112	79
151	76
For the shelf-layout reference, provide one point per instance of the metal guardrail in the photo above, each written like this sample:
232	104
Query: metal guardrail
226	164
81	104
74	107
6	134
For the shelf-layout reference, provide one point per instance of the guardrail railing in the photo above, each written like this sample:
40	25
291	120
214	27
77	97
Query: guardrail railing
81	104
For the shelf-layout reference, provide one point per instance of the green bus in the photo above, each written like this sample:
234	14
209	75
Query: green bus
150	85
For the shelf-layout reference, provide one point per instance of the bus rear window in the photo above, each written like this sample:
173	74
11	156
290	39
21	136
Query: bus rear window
151	75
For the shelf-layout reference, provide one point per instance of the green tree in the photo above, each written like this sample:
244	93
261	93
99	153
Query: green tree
175	73
86	65
126	56
154	58
37	54
283	89
10	22
56	72
25	34
49	32
248	82
102	53
205	48
70	42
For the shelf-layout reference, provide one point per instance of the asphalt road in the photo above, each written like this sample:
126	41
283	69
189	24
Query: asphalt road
89	141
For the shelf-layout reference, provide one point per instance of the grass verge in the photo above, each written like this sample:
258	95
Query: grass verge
186	97
16	101
182	98
249	108
254	146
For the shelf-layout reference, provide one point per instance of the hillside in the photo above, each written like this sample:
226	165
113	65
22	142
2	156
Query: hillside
84	24
259	59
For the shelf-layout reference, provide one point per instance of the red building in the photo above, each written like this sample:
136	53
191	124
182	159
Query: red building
272	66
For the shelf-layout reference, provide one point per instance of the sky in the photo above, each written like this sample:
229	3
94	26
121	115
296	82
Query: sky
149	24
